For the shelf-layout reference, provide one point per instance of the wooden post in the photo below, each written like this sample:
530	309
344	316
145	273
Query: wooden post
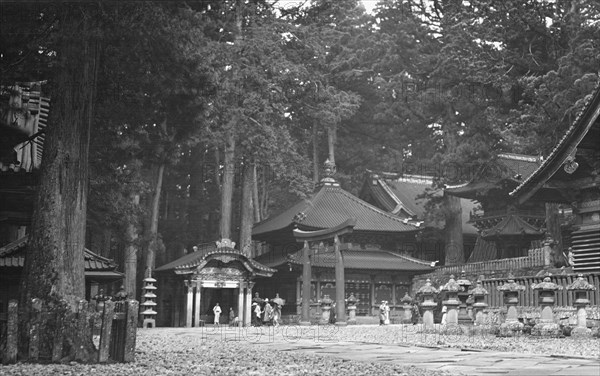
197	304
306	276
340	284
189	305
10	354
34	330
372	291
249	304
106	331
131	312
240	307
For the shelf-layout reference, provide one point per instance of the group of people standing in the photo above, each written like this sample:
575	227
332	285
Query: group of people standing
265	313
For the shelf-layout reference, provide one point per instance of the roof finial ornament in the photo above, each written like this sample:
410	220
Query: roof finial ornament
329	169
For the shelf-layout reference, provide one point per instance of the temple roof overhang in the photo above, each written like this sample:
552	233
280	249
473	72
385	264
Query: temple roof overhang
512	226
582	134
96	267
400	194
327	208
363	259
225	254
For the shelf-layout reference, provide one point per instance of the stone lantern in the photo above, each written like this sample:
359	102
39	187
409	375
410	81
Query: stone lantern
479	304
463	296
427	292
149	304
546	298
326	303
351	304
511	325
406	308
452	288
581	288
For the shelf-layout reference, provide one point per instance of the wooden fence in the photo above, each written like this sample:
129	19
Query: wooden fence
529	297
110	326
535	258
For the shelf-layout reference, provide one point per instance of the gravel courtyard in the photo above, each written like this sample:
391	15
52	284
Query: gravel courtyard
324	350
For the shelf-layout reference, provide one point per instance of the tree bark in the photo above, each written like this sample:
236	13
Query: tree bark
131	254
227	186
255	201
315	153
54	267
453	231
247	219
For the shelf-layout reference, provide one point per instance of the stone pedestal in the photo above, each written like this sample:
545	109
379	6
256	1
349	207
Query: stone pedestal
326	303
580	288
546	298
427	292
351	309
511	326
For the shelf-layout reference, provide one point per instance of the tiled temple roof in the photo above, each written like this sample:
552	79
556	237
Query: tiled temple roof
329	207
400	195
13	255
587	118
512	225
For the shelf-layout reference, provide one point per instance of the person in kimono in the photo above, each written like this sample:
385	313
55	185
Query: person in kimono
217	312
257	314
268	313
382	313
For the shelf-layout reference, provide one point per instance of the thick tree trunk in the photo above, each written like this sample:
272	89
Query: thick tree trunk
54	267
227	186
255	201
247	219
315	153
131	254
453	231
154	242
195	225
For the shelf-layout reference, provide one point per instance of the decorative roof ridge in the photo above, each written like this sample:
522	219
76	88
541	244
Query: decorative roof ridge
13	246
372	207
399	204
520	157
594	96
412	259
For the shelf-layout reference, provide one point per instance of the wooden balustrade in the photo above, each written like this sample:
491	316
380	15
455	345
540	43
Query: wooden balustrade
535	258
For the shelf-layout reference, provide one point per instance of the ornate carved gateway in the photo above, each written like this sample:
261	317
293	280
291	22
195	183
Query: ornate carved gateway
215	274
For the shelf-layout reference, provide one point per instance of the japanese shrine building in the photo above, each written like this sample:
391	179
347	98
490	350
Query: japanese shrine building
194	283
375	267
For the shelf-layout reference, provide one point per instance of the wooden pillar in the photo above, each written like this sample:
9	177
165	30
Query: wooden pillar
248	311
372	305
189	303
394	292
340	284
306	276
197	304
298	295
240	306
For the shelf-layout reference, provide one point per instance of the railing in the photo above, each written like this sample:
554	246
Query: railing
536	257
111	326
528	297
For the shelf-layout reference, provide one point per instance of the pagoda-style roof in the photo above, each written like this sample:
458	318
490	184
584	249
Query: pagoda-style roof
364	259
399	194
511	225
584	133
327	208
190	263
12	255
502	174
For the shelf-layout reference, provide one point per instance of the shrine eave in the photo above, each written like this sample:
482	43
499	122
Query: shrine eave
188	264
586	121
358	259
511	226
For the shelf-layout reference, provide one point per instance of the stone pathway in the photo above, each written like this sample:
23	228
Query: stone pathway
467	362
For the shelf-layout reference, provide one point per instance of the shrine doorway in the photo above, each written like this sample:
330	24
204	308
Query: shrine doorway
226	297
